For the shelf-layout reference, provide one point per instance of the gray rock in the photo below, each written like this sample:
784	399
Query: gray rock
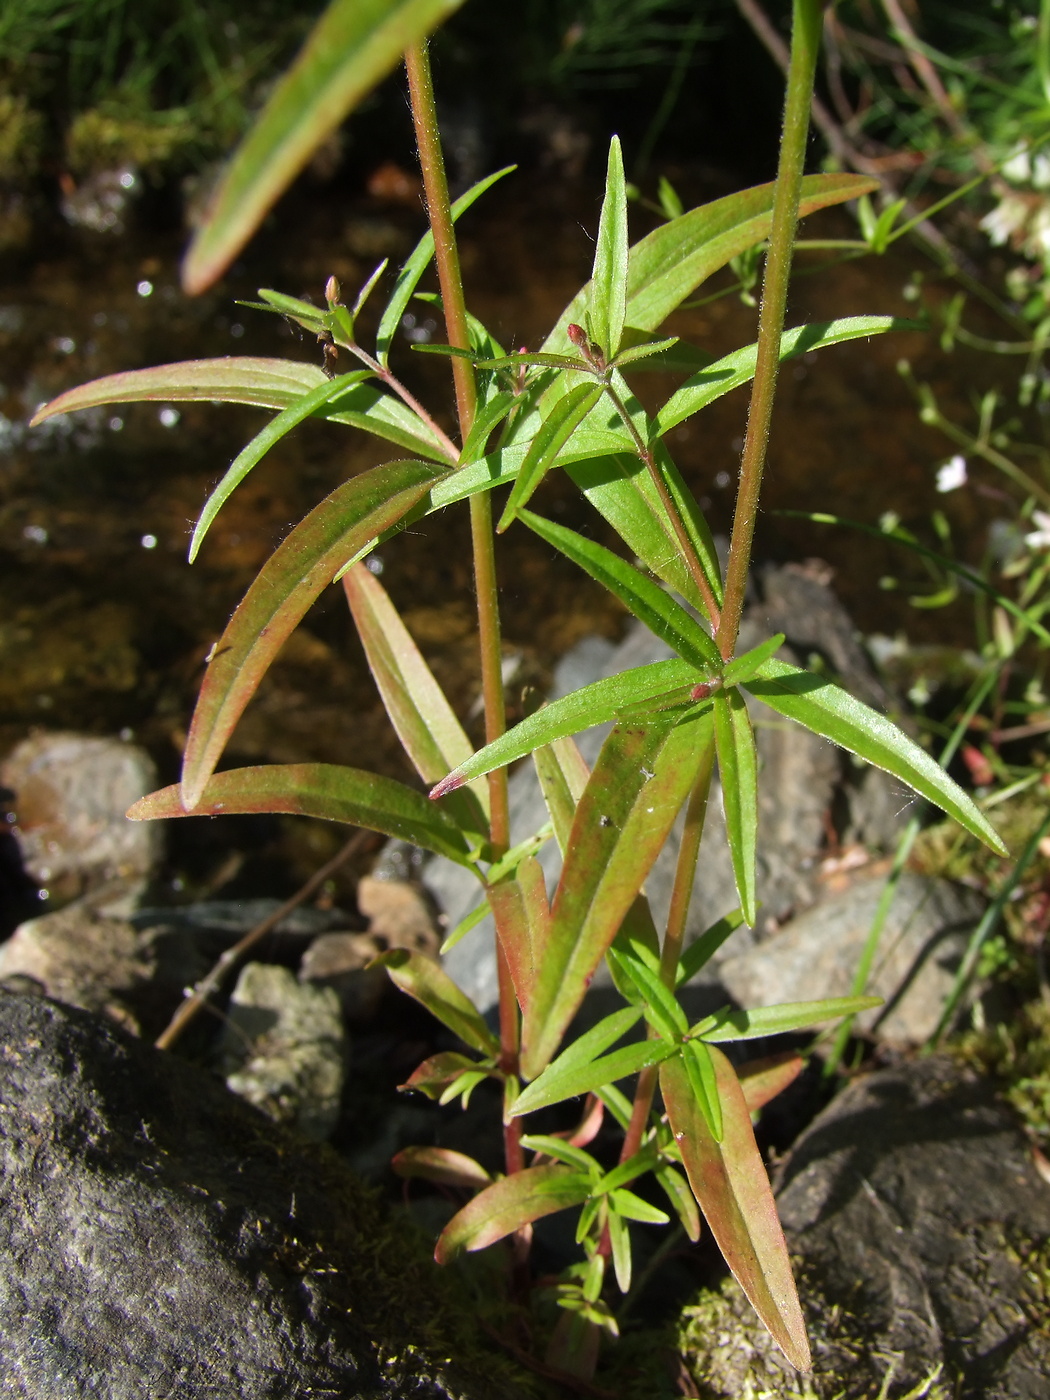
817	954
160	1238
89	955
71	794
341	961
923	1231
284	1049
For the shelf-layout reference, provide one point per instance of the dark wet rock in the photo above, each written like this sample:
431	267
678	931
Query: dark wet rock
284	1048
160	1238
922	944
923	1231
91	955
71	794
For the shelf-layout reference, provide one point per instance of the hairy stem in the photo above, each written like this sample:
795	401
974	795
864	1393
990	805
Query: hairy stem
805	42
407	398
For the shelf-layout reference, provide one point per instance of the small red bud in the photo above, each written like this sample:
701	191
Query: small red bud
577	335
701	691
332	290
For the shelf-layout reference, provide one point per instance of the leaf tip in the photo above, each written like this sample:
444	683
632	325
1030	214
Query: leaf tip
447	784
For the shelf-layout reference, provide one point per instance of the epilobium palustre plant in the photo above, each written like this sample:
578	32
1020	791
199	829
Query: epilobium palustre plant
567	406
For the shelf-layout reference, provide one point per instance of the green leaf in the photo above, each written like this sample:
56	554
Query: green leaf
323	790
555	430
424	720
638	940
419	259
639	782
607	305
423	980
354	45
762	1080
632	1207
469	921
703	949
731	371
683	1202
826	709
561	1151
556	1084
744	668
507	1205
486	421
592	704
661	1009
730	1183
645	599
563	776
635	1166
738	771
757	1021
632	353
261	444
288	583
700	1068
671	262
440	1164
435	1074
620	1244
582	1053
522	917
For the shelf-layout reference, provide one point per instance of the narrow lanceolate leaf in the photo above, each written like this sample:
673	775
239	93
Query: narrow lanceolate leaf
639	782
276	429
554	432
288	583
592	704
744	668
554	1085
440	1164
645	598
676	1188
580	1055
423	979
507	1205
424	720
418	261
699	1068
738	772
730	1183
827	709
758	1021
323	790
762	1080
731	371
522	917
607	306
700	952
351	48
435	1074
265	383
671	262
563	776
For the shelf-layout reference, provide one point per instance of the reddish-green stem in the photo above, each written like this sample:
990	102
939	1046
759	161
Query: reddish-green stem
446	258
805	42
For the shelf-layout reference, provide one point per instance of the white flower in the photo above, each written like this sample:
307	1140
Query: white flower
1039	539
1009	215
952	475
1018	168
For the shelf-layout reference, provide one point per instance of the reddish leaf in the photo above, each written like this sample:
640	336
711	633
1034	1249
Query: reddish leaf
435	1074
323	790
730	1183
290	580
522	917
440	1164
642	776
424	981
507	1205
762	1080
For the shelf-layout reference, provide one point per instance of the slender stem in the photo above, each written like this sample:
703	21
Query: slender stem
684	876
408	398
805	41
446	257
685	544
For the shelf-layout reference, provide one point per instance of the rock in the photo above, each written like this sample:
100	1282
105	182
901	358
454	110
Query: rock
160	1238
922	944
397	914
284	1049
340	961
88	955
71	794
916	1210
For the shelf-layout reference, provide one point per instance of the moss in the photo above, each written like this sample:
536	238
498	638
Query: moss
105	138
21	137
1017	1054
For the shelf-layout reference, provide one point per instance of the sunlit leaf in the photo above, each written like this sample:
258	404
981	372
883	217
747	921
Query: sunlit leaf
639	782
323	790
661	1009
647	349
746	667
645	599
507	1205
519	908
556	1084
731	371
738	771
563	776
555	430
288	583
700	1070
440	1164
435	1074
350	49
422	979
632	1207
419	259
581	1054
607	304
730	1183
827	709
592	704
636	938
546	1146
703	949
262	442
424	720
757	1021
